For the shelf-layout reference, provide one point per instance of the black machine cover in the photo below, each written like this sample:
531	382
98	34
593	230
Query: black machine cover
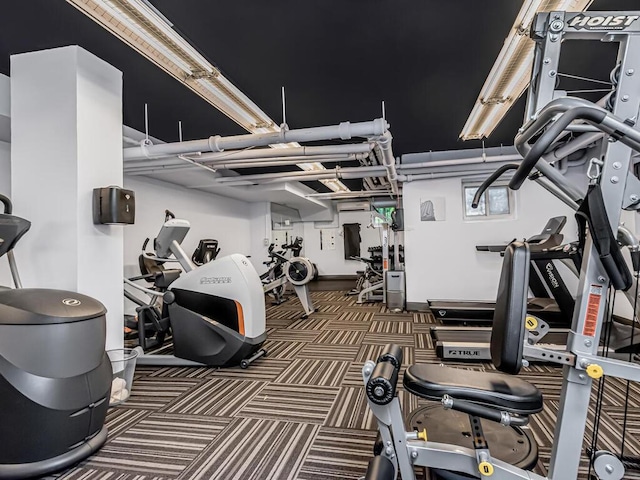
490	389
12	229
508	328
39	306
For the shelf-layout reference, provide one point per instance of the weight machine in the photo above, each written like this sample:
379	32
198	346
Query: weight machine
488	398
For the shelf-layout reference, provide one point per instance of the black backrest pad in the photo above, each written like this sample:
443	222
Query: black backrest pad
149	266
507	331
12	228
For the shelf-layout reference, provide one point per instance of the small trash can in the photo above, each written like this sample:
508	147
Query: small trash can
123	365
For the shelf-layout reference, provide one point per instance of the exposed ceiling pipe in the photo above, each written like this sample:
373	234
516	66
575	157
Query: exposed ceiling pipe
289	152
351	173
337	172
383	145
137	165
347	195
462	161
283	162
430	176
343	131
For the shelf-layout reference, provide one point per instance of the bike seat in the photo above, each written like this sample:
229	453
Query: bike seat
493	390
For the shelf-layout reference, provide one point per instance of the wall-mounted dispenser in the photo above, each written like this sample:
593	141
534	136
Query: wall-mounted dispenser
113	205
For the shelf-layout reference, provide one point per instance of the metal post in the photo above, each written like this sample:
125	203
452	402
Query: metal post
586	327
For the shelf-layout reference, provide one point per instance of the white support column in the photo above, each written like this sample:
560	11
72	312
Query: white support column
260	215
66	139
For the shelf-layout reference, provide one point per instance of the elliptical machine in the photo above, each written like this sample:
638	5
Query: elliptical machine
216	311
55	377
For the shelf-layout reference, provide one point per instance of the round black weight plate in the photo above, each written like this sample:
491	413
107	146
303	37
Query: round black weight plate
513	445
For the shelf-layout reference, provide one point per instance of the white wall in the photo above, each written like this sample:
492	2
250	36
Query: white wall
260	233
332	262
5	168
211	216
5	189
441	259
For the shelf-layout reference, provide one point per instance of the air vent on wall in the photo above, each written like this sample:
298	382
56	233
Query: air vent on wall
353	206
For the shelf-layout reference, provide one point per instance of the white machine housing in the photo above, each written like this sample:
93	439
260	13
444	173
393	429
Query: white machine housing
232	277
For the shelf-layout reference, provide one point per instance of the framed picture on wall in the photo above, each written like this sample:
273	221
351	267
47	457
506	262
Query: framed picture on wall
432	209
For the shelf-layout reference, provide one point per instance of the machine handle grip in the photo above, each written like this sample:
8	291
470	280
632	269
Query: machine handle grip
548	137
487	183
144	245
8	206
380	468
381	387
391	353
168	215
481	411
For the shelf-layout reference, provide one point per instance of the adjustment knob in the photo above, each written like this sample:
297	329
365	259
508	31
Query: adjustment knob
595	371
485	469
531	323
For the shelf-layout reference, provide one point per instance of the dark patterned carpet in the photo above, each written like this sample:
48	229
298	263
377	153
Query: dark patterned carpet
300	413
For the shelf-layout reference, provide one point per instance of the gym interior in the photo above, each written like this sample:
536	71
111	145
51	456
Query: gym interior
319	241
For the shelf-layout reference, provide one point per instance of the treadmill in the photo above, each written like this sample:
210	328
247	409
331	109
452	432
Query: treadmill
467	343
551	302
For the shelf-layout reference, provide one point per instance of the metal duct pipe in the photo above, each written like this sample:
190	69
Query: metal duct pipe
323	150
343	131
241	163
302	176
337	172
347	195
462	169
388	160
463	161
240	181
284	161
431	176
156	169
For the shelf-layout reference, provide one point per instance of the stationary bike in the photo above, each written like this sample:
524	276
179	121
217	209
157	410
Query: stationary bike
216	312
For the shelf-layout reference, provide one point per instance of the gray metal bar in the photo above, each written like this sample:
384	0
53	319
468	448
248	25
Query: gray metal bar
13	267
166	360
586	327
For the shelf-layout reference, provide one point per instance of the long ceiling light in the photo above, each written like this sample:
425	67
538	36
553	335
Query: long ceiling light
511	73
145	29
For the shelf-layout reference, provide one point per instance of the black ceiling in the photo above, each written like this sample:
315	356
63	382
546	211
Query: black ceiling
427	59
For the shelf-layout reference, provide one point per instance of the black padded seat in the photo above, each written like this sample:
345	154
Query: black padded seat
495	390
12	229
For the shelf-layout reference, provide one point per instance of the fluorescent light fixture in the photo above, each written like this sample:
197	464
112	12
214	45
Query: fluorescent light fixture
141	26
511	73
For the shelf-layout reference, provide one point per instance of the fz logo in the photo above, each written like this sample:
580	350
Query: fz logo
611	22
71	302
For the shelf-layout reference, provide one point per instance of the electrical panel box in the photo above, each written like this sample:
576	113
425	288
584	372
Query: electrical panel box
113	205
